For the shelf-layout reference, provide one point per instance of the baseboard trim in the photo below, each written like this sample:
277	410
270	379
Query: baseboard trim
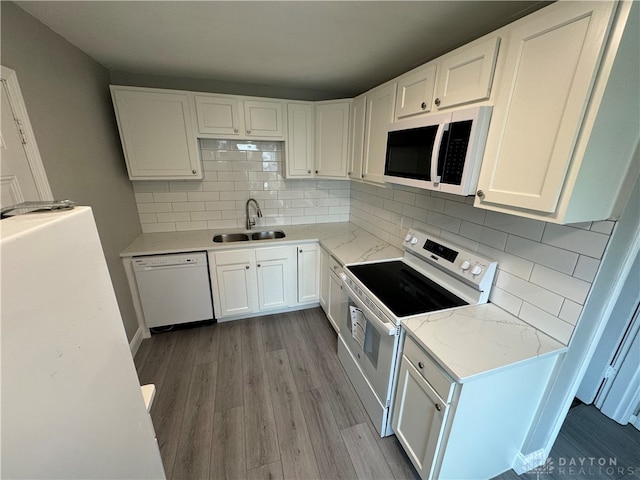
135	342
524	463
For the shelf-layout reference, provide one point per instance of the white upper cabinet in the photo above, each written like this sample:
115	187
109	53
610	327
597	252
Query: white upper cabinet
465	75
157	133
357	119
300	151
332	139
379	114
229	116
317	141
544	159
264	119
218	115
415	92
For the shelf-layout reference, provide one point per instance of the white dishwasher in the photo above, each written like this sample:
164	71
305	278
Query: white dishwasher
174	288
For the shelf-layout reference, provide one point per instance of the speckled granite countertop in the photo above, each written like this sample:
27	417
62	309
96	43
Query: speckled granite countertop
473	341
347	242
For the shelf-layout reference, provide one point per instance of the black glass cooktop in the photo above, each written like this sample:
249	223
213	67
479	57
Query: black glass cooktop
404	290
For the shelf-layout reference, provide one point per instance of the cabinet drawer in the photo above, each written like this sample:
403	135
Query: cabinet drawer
233	256
334	266
273	253
429	369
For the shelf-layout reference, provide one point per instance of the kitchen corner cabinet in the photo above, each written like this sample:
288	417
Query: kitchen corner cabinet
379	114
308	273
318	139
551	153
157	134
332	138
470	429
251	280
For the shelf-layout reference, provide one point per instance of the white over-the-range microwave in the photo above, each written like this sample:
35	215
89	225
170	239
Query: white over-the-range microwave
439	152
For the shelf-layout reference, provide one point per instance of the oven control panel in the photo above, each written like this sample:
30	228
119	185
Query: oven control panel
456	260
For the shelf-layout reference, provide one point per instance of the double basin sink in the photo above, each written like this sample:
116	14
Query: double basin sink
245	237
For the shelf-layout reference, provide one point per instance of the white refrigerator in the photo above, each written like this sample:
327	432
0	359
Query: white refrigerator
71	404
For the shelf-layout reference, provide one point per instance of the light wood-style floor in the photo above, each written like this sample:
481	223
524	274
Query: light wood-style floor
267	398
262	398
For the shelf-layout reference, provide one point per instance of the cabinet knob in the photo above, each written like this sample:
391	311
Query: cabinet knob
235	130
438	407
193	171
420	365
247	267
258	265
308	171
248	132
480	194
423	106
437	102
316	172
300	251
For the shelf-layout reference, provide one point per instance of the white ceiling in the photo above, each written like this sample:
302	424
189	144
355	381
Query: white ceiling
342	47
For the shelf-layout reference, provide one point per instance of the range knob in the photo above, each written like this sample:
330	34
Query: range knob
465	265
408	237
477	270
414	240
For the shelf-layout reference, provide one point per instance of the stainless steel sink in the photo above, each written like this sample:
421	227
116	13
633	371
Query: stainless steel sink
267	234
230	237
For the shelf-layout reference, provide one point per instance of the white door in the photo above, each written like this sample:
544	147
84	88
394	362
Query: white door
308	273
379	114
300	140
23	176
236	289
332	138
218	115
415	92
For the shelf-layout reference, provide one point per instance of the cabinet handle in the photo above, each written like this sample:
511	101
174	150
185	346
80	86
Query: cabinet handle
248	132
247	267
258	265
308	171
300	251
420	365
437	102
235	130
193	171
316	172
480	194
423	105
438	407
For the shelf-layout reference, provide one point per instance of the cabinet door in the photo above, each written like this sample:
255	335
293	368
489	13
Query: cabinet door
308	273
157	134
551	61
357	121
332	139
300	143
380	110
466	74
418	418
218	115
264	119
415	92
337	302
324	280
233	282
275	277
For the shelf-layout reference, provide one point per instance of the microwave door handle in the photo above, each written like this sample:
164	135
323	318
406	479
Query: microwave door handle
435	154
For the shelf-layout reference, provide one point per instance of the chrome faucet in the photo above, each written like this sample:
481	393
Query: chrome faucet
250	222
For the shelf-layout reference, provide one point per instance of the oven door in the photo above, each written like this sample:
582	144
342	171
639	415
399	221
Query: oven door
373	341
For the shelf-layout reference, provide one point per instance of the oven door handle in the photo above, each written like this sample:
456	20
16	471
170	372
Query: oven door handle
387	327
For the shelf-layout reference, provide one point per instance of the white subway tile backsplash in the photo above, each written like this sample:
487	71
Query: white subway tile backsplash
188	207
553	257
183	226
565	285
144	197
154	207
174	217
576	240
522	227
170	197
542	281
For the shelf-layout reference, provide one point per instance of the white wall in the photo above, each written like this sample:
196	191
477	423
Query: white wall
231	177
545	271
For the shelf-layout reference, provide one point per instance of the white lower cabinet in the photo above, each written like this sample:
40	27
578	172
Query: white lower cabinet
473	428
333	300
308	273
324	280
251	280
